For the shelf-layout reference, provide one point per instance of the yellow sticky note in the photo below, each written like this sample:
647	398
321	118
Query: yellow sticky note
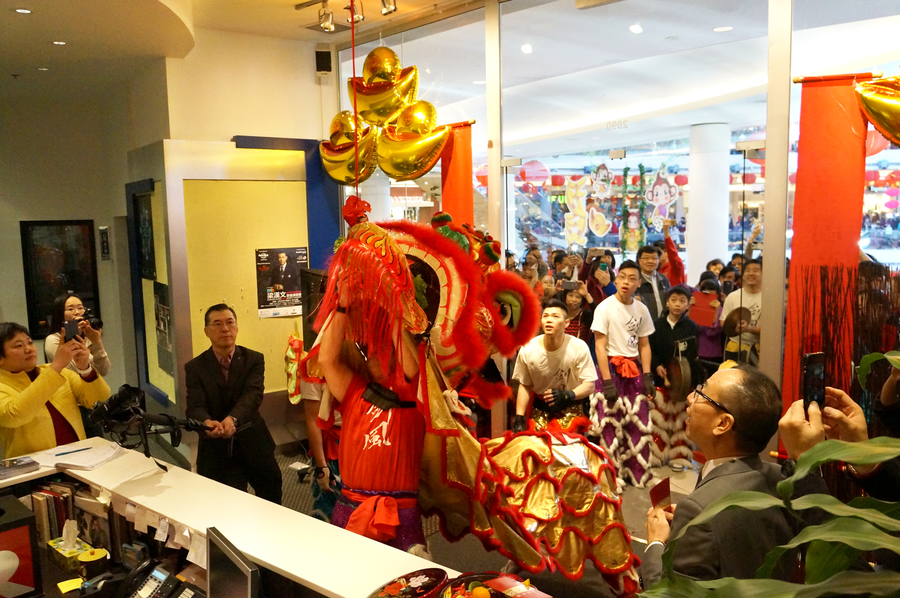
70	585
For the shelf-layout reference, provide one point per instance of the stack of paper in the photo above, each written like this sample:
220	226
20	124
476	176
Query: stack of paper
79	458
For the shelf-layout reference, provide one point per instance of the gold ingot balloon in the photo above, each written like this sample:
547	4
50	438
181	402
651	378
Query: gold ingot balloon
880	101
344	129
381	102
408	159
381	65
340	160
416	120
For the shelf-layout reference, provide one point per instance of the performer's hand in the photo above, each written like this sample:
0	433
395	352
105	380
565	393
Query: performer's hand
519	424
559	399
228	428
649	386
658	525
323	479
609	391
216	431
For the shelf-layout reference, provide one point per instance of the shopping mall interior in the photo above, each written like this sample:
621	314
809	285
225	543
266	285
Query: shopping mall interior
205	116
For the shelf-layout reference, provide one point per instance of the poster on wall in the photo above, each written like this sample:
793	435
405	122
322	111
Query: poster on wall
163	328
278	280
59	257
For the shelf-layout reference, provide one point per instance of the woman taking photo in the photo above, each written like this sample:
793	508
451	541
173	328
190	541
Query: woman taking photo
66	308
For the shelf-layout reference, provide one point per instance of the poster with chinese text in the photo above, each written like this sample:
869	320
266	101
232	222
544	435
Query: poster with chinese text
278	280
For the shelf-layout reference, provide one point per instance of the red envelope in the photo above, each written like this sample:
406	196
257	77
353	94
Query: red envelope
661	494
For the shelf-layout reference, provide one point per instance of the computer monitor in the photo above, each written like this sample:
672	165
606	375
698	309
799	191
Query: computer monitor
230	574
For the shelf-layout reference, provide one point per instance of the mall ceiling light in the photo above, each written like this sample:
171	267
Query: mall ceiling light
23	11
636	28
388	6
527	49
326	18
43	68
59	43
356	12
722	29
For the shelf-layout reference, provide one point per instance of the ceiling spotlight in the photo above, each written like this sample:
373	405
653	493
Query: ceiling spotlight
326	18
388	6
722	29
636	28
356	12
43	68
23	11
59	43
527	49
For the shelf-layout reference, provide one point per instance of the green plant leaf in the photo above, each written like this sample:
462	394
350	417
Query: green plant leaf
885	583
853	532
891	509
824	559
893	358
834	506
869	452
865	365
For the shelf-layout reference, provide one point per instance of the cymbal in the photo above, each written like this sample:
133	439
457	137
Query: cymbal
679	373
733	320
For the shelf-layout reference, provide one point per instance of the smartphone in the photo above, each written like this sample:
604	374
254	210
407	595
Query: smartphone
727	286
813	367
71	328
604	266
569	285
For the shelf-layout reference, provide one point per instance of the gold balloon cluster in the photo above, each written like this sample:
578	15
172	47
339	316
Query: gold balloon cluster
880	101
394	131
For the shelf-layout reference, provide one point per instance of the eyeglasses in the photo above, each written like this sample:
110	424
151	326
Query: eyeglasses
75	309
218	325
715	403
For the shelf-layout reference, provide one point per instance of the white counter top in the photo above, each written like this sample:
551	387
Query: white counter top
318	555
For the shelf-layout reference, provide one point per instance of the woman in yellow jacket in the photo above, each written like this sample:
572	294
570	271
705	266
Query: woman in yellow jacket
39	404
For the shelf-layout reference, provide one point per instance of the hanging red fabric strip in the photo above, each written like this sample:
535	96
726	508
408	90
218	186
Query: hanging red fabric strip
826	223
456	175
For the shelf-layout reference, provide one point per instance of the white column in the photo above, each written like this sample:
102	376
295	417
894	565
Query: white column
496	180
778	118
707	202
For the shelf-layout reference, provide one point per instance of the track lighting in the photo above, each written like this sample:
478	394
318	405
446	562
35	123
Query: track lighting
326	18
388	6
356	12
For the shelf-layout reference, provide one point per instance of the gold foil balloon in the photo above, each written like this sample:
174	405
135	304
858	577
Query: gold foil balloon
381	102
416	120
340	160
880	101
343	127
405	159
381	65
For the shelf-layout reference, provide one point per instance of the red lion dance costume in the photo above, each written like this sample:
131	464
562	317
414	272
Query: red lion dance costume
417	311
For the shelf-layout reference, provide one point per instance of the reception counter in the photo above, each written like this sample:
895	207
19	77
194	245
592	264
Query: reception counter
320	556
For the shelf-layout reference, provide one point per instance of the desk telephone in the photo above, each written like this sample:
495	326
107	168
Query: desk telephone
144	581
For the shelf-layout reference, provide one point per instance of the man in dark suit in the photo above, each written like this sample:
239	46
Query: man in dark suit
286	274
731	419
224	390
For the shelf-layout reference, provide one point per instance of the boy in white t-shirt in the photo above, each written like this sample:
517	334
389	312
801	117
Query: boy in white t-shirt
744	347
621	413
556	376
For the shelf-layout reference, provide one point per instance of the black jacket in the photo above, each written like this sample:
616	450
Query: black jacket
664	337
646	293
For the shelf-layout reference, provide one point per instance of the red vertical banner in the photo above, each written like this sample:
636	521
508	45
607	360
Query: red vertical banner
826	222
456	175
